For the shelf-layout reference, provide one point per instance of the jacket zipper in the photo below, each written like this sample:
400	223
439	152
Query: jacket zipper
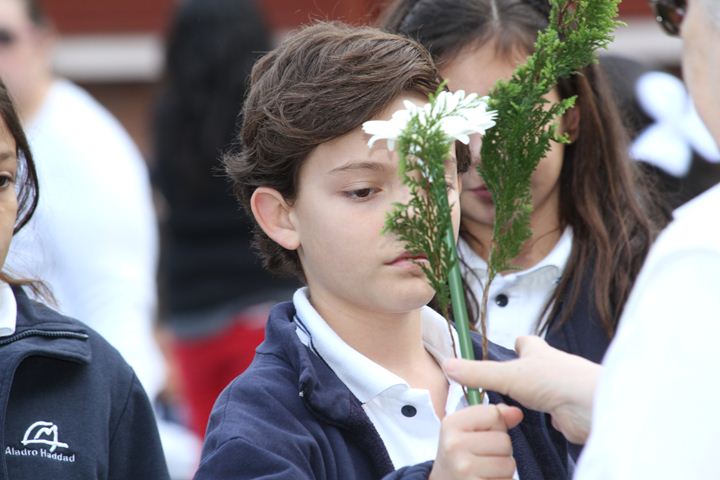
43	333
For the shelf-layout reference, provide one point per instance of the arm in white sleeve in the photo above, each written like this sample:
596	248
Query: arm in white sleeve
107	245
656	410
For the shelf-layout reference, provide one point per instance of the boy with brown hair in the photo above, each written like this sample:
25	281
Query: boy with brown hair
347	384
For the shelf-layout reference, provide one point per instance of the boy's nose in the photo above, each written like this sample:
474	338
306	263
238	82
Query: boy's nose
475	145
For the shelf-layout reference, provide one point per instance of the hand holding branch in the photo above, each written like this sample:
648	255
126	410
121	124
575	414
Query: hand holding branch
542	378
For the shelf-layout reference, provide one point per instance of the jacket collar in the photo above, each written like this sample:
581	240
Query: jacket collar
322	391
317	383
42	331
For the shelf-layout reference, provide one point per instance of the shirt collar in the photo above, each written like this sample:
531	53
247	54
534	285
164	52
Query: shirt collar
363	377
8	310
553	263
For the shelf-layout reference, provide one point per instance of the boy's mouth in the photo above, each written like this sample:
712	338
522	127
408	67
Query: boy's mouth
406	257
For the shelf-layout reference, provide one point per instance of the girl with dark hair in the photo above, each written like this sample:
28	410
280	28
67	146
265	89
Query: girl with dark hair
52	364
593	219
214	293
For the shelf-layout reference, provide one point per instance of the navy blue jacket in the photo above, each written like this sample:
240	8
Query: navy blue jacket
71	407
582	334
289	417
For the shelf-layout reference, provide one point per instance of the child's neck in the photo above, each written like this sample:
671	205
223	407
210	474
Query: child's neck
393	341
390	340
546	232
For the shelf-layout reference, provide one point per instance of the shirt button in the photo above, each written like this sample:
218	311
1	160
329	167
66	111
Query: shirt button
409	411
502	300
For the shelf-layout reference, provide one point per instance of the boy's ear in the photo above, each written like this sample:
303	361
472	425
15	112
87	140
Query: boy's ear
571	123
272	213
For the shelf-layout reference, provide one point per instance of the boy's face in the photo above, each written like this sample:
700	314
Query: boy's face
345	192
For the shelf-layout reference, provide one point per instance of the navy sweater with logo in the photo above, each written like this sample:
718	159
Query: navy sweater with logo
289	417
71	407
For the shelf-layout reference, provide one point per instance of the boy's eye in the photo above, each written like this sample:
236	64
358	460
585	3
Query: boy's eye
360	193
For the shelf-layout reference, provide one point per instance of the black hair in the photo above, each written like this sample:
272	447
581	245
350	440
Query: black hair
212	46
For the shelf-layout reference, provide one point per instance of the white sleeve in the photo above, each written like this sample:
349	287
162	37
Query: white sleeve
96	229
656	412
106	247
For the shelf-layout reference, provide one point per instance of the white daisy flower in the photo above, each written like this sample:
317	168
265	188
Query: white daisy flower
458	116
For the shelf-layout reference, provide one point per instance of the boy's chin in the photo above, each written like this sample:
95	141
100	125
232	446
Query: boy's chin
407	298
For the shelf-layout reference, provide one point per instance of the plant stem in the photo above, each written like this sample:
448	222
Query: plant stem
460	314
484	310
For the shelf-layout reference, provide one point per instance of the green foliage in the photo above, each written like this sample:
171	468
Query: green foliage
527	122
422	223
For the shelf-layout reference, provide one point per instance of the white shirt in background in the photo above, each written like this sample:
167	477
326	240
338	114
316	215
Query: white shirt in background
657	408
517	299
8	310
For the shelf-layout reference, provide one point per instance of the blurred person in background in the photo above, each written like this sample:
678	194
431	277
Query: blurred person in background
215	295
93	238
72	407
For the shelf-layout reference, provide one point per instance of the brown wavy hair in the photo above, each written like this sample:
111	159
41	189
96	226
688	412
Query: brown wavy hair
610	206
320	83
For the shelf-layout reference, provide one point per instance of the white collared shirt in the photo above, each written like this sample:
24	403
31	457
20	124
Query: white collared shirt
8	310
517	299
666	347
403	416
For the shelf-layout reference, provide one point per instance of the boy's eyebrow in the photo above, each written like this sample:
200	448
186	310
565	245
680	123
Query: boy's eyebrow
375	166
361	165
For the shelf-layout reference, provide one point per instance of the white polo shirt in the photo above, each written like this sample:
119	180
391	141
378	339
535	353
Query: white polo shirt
517	299
8	310
403	416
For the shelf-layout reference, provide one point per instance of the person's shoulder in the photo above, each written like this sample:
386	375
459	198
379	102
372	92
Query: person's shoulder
73	119
263	405
103	357
695	227
67	98
267	398
269	382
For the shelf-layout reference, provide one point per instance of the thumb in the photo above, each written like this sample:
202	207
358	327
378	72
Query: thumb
512	416
485	374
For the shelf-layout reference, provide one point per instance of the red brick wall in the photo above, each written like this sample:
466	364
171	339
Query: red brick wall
109	16
95	16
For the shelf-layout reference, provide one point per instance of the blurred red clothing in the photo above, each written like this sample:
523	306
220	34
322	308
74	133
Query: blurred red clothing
208	364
